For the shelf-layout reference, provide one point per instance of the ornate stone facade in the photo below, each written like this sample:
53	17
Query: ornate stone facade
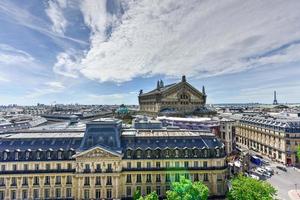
174	98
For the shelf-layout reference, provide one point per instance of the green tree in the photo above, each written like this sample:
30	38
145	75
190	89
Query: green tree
298	153
151	196
137	195
186	190
250	189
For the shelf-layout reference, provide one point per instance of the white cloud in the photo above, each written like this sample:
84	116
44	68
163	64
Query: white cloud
10	55
66	65
56	15
48	88
196	38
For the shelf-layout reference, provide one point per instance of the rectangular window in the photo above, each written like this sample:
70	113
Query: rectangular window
58	166
69	179
47	180
196	164
13	195
69	192
48	167
47	193
186	164
98	194
24	194
57	192
98	180
177	177
128	191
15	168
36	194
25	181
168	178
86	180
177	164
2	182
129	165
108	193
139	165
148	189
13	181
36	167
128	179
36	180
196	177
205	177
25	167
148	179
2	195
2	167
108	180
86	194
58	180
158	190
138	178
158	178
157	164
109	168
167	164
205	164
148	165
69	166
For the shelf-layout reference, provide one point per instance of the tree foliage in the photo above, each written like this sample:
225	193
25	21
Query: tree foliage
298	152
151	196
137	195
247	188
186	190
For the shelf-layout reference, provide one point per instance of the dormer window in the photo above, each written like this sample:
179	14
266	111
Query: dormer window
59	155
27	155
5	155
17	155
128	153
148	153
176	153
139	153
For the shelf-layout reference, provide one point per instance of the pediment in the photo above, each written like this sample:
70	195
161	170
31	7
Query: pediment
186	88
98	152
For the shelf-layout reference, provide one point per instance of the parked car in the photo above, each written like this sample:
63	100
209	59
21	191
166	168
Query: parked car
257	155
269	169
281	168
254	176
265	162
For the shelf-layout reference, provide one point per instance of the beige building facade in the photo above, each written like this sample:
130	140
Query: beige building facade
147	160
276	138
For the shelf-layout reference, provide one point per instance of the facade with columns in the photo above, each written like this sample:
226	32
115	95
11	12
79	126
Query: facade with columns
179	97
107	162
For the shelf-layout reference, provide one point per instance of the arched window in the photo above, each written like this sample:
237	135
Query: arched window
205	153
70	153
195	152
49	154
217	152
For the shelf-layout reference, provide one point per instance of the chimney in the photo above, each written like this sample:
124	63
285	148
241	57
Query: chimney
183	79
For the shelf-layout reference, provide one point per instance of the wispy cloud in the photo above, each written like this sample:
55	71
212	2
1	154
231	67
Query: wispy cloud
48	88
56	15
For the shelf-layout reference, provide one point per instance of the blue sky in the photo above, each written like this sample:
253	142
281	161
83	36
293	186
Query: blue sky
104	52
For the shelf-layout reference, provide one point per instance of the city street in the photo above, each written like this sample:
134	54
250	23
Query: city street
285	182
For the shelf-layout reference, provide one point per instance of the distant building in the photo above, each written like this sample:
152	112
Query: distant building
108	162
176	98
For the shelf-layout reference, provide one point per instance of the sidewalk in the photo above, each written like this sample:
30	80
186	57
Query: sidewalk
294	195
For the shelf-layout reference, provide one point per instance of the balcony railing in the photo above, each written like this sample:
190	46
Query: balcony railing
37	171
175	168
